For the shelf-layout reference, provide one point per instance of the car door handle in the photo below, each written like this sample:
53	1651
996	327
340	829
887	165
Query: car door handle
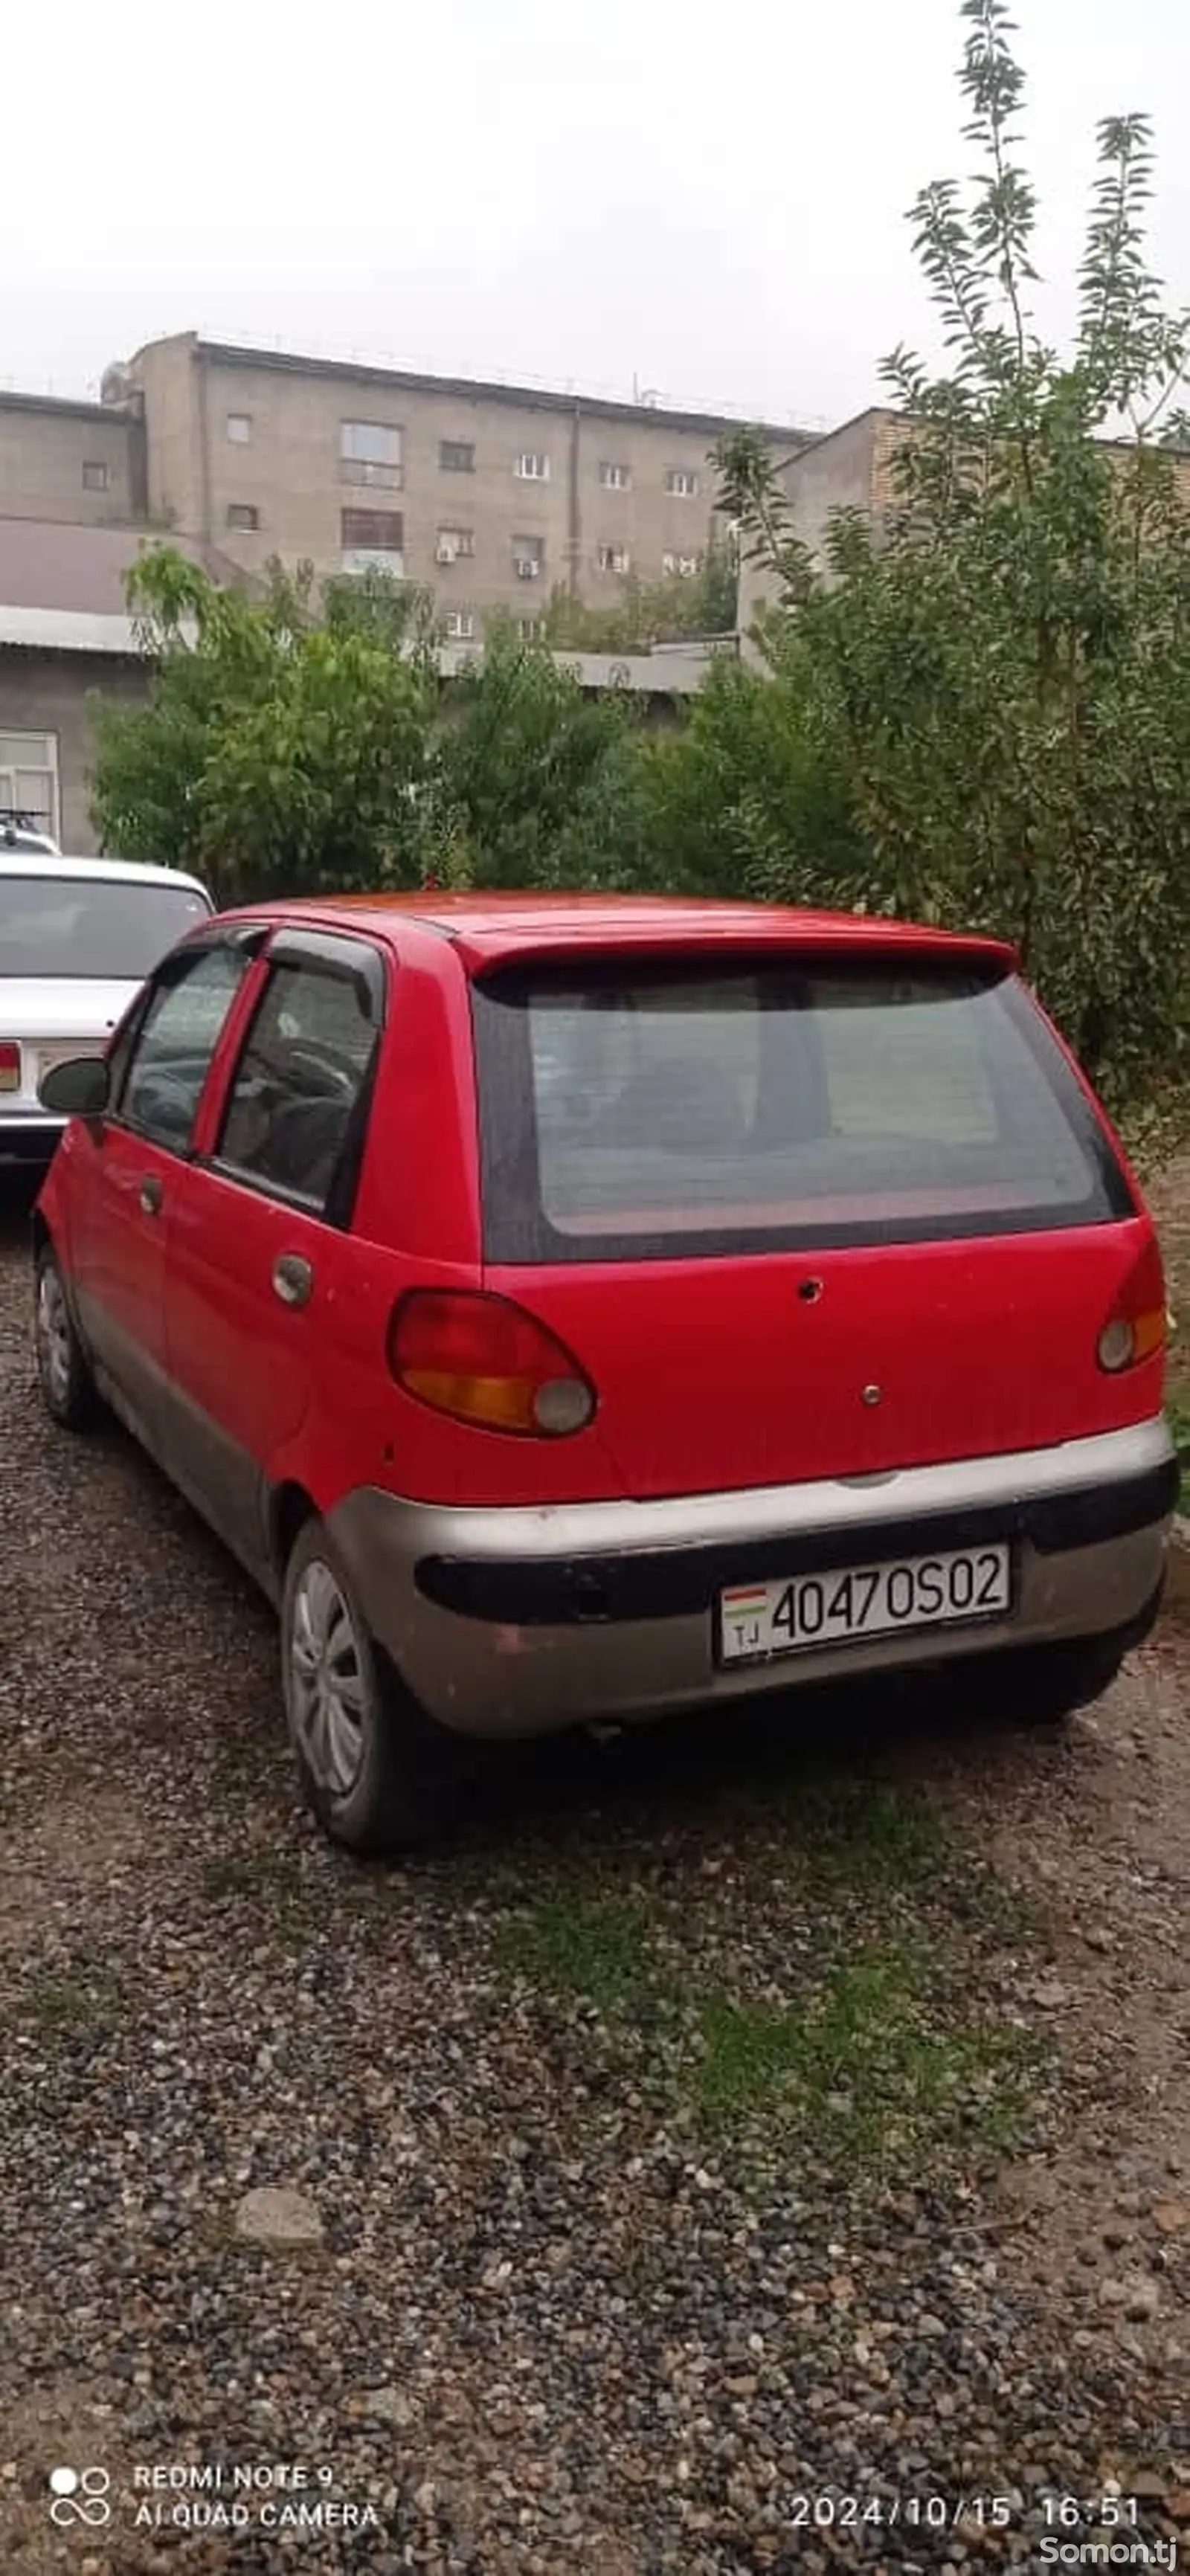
293	1279
151	1195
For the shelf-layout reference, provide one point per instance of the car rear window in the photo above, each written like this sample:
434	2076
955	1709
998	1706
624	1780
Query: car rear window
86	926
659	1113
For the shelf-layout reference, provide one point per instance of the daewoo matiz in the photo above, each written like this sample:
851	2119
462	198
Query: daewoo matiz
573	1310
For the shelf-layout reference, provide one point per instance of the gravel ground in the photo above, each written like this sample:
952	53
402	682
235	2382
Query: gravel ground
716	2162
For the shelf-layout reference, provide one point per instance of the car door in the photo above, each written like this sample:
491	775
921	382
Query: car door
122	1201
258	1253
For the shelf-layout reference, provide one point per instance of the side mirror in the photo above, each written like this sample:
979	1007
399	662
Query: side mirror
77	1089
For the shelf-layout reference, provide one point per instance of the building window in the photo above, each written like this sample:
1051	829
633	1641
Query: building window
370	452
29	780
460	624
372	541
684	566
239	428
532	469
243	514
456	456
529	630
612	559
528	556
616	478
682	482
96	477
452	543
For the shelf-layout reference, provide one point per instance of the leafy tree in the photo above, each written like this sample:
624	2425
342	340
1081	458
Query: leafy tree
302	741
750	798
1002	669
750	489
373	604
649	613
535	780
285	741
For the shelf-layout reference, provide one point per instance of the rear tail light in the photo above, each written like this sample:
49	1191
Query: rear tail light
484	1360
1136	1326
10	1065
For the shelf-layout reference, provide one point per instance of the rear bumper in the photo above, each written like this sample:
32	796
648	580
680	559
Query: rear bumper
521	1622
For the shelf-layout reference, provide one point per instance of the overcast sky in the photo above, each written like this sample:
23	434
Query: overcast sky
708	200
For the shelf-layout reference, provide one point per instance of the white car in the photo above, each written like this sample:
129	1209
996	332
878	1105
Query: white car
77	939
18	833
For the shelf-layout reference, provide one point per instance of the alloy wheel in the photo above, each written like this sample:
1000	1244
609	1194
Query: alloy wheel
328	1684
54	1338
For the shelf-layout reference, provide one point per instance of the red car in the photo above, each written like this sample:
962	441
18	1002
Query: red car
574	1309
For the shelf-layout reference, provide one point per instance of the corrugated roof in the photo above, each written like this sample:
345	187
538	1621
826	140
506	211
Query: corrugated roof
666	671
66	630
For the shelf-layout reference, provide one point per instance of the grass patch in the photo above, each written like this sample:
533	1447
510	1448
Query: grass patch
596	1947
878	2062
866	1833
869	2067
61	2003
869	1839
1011	1915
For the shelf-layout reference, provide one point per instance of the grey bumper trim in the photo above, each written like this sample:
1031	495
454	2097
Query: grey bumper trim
665	1582
510	1676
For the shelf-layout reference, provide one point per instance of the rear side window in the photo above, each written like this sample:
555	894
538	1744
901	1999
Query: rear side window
666	1113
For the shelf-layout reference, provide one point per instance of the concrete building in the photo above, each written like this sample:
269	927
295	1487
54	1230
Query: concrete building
850	468
489	495
75	461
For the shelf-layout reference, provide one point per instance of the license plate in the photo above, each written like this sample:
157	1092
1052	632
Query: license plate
948	1590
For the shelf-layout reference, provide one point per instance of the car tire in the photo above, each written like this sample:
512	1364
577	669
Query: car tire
68	1389
378	1773
1043	1686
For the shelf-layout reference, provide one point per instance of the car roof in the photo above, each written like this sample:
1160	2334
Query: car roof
52	863
491	928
